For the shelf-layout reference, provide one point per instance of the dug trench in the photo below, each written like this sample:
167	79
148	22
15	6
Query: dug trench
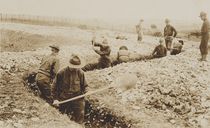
95	117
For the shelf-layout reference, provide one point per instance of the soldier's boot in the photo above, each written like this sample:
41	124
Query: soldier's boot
200	59
204	57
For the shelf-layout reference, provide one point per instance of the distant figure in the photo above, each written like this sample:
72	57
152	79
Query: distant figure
177	47
169	33
204	36
46	73
123	54
160	50
139	30
104	52
70	82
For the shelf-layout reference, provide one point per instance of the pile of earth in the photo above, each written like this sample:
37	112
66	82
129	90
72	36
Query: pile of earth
171	92
21	109
176	87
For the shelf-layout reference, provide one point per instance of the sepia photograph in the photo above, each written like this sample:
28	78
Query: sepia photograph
104	64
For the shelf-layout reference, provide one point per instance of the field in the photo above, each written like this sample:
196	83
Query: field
171	92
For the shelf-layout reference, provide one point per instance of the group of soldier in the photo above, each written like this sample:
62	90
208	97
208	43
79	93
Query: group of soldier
170	33
57	85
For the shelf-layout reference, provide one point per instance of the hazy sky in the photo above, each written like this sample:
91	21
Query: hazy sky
109	9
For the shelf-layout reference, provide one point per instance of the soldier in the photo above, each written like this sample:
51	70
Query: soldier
139	30
177	47
123	54
169	33
160	50
70	82
46	73
204	36
104	52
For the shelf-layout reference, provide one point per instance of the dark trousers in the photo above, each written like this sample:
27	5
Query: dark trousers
204	44
175	51
74	109
103	63
168	44
43	83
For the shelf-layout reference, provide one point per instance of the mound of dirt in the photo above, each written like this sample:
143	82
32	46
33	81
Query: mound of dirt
171	92
21	109
177	86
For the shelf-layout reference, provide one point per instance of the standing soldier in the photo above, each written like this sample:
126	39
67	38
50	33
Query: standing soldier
204	36
70	82
169	33
104	52
139	30
46	73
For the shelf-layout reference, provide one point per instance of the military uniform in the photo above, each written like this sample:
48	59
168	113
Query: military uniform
177	48
104	52
123	56
169	33
47	71
159	51
139	32
204	37
69	83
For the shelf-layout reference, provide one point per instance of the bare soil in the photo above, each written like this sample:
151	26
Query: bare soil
171	92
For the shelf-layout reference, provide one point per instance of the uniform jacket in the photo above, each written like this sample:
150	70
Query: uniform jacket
170	31
204	37
177	46
160	51
68	83
104	50
49	66
123	56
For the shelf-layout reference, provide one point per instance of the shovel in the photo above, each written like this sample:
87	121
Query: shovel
124	82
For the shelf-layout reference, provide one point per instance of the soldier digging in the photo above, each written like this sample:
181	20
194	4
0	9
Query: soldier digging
46	73
70	82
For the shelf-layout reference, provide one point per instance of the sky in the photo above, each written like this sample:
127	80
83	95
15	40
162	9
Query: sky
109	10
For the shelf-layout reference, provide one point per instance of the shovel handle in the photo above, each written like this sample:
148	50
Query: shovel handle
86	94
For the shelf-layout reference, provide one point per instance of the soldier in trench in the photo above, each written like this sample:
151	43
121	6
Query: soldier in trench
160	50
177	47
104	61
169	33
46	73
204	36
70	82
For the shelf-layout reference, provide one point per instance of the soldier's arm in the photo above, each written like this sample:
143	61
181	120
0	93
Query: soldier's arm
97	44
175	32
55	86
83	83
164	32
105	52
56	66
154	51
